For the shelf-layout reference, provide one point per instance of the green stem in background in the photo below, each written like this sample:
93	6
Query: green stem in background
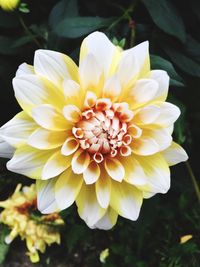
194	180
28	32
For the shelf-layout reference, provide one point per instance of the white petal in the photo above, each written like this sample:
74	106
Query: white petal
18	129
88	207
6	150
92	173
126	200
89	72
103	190
80	161
143	92
108	220
162	78
70	146
128	69
147	114
31	90
141	52
46	202
106	54
67	188
50	118
144	146
28	161
55	165
174	154
24	69
44	139
112	88
115	169
169	113
72	113
54	66
157	173
134	173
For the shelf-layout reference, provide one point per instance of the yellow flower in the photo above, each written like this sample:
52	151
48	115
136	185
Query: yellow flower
185	238
104	255
18	215
9	5
98	134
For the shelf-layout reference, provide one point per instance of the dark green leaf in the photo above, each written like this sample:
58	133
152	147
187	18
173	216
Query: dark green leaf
22	41
158	62
63	9
78	26
184	62
3	246
193	48
166	17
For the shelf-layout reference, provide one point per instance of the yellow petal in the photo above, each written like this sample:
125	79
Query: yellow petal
114	168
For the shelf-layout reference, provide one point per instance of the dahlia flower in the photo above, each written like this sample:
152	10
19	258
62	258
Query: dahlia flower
37	230
9	5
98	134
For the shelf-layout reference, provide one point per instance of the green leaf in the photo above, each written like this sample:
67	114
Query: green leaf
184	62
166	17
63	9
78	26
193	48
22	41
158	62
3	246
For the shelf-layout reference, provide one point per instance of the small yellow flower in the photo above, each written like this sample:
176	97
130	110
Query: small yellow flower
98	134
9	5
18	215
104	255
185	238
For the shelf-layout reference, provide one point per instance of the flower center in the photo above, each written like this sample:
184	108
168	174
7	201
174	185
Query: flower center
103	129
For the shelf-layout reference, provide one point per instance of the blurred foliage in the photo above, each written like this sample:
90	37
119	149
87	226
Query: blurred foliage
173	32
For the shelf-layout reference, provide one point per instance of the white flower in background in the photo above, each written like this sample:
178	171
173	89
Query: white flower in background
98	134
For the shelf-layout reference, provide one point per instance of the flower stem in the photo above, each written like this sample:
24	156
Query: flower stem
28	32
194	180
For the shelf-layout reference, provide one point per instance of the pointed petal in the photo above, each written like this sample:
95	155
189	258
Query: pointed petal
89	72
54	66
50	118
169	113
144	146
126	200
101	47
88	207
80	161
31	90
134	173
67	188
157	172
28	161
108	220
112	88
103	190
147	114
55	165
6	150
24	69
162	78
143	92
92	173
44	139
18	129
174	154
46	202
